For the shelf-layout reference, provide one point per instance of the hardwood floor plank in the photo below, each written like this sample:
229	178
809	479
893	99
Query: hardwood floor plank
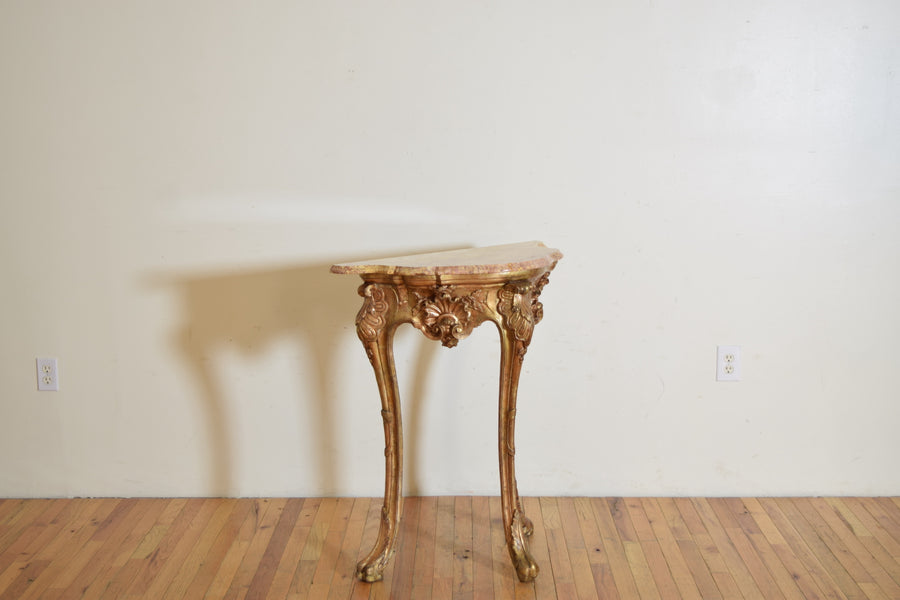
361	589
111	534
578	556
868	513
73	540
872	526
442	580
674	520
146	514
482	565
20	517
560	564
192	563
11	574
45	528
250	563
822	552
678	523
660	569
261	582
345	568
181	544
278	549
703	576
832	520
744	545
713	561
874	592
634	509
423	565
789	561
891	512
79	524
312	549
750	526
661	525
504	587
404	559
228	566
621	519
334	539
174	543
213	549
869	541
798	556
9	505
27	574
829	537
741	575
690	517
663	574
597	554
463	573
157	532
643	575
615	549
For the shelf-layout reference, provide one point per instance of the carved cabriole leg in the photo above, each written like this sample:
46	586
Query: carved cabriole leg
515	306
449	313
376	324
516	525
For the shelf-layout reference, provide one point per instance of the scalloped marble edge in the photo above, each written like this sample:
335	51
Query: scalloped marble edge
503	258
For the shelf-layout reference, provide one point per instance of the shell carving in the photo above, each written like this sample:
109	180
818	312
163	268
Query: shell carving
447	317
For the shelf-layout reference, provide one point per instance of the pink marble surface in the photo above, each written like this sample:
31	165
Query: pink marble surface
466	261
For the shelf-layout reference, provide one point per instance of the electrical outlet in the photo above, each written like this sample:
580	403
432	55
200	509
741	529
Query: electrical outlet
48	375
728	363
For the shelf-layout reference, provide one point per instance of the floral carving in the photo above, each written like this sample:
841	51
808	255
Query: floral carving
447	317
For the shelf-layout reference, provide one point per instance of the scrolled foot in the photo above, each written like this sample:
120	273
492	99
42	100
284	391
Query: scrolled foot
370	572
526	568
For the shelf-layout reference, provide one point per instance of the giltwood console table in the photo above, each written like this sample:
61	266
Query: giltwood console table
445	295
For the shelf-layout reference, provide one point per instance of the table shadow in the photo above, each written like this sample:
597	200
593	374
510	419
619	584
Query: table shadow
248	310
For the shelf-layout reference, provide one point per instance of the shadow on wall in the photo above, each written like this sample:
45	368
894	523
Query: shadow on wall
250	309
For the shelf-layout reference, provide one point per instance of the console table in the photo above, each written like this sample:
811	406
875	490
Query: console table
445	295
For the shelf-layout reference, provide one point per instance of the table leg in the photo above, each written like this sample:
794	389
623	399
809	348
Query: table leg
516	525
376	330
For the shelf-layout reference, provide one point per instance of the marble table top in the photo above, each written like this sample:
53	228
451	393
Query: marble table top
505	258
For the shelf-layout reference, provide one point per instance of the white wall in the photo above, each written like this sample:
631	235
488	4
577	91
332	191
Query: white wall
178	176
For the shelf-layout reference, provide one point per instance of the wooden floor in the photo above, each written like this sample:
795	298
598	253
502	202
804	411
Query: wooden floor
451	547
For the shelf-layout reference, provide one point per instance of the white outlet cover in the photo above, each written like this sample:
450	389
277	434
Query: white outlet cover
47	375
728	363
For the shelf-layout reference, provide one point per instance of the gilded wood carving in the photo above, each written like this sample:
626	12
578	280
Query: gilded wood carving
444	314
447	307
